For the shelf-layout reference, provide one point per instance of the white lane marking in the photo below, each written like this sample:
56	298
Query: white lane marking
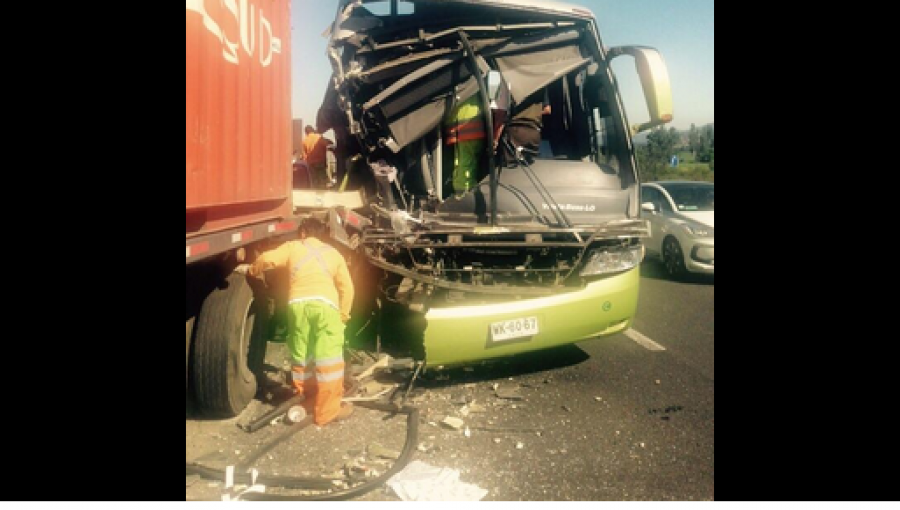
643	341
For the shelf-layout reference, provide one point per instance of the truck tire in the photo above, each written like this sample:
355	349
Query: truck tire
229	348
189	328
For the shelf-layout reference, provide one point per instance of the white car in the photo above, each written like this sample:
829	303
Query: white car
681	225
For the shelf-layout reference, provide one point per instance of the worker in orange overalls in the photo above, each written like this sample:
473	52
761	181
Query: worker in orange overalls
314	152
321	295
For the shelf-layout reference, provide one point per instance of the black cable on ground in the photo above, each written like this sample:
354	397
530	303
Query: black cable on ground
412	435
293	482
293	429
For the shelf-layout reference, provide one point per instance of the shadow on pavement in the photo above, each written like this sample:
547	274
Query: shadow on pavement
503	368
654	269
278	391
543	360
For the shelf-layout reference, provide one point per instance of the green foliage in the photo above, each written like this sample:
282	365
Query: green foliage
701	142
693	138
697	159
653	158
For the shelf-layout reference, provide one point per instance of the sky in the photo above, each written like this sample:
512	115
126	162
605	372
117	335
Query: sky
682	31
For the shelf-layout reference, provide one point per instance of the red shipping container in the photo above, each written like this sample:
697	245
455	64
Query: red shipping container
238	113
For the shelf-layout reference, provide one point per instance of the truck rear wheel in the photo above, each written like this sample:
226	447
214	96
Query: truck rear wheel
229	348
189	328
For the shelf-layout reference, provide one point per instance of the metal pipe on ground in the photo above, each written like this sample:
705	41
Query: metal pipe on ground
267	418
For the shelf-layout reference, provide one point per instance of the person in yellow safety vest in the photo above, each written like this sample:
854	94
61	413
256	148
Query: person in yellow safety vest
321	295
464	132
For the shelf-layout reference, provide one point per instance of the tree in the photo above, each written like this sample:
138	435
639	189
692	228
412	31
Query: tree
708	133
662	142
693	139
706	144
653	158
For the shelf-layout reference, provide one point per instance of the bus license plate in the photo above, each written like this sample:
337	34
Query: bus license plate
514	328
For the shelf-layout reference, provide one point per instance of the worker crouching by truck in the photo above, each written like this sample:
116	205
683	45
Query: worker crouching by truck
321	295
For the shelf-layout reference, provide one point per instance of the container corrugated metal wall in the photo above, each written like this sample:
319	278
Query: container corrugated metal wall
238	113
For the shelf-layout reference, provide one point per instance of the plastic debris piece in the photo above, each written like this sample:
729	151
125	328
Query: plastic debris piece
296	414
460	399
419	481
229	477
508	393
519	446
373	388
253	488
476	408
453	422
467	432
376	450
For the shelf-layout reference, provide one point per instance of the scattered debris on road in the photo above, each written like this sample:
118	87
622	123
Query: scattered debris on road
419	481
508	393
376	450
453	422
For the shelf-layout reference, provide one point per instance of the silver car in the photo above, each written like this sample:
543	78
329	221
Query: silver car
681	216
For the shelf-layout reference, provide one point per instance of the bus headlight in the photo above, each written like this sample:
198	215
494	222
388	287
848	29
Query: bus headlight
612	260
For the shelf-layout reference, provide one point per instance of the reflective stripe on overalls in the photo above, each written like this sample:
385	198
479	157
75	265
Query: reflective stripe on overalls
466	122
464	131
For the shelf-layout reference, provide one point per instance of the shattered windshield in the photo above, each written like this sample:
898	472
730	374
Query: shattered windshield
404	70
455	97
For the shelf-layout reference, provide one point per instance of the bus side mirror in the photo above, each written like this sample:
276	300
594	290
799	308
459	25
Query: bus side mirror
654	75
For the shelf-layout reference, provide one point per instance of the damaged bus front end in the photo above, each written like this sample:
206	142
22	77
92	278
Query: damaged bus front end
543	248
